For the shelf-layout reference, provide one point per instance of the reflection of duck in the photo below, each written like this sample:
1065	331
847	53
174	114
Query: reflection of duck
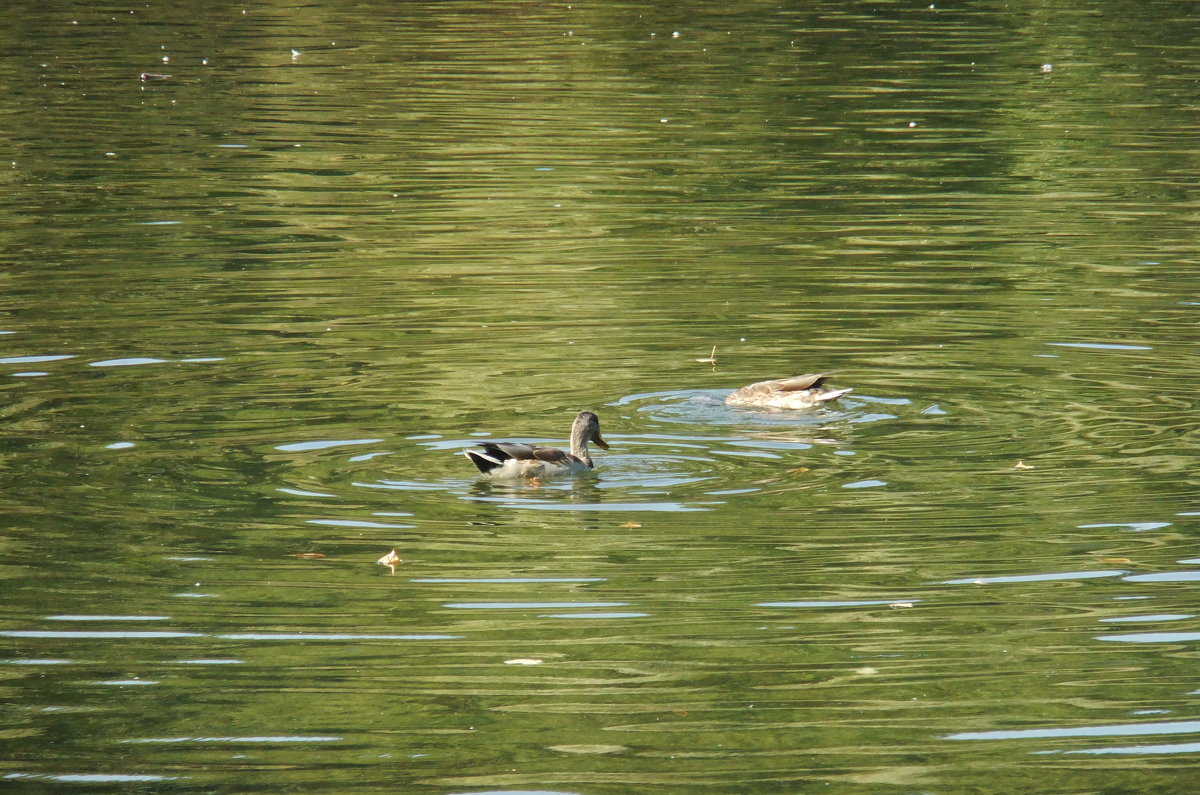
797	392
517	460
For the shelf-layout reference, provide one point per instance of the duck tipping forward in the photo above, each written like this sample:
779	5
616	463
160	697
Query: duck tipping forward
797	392
507	460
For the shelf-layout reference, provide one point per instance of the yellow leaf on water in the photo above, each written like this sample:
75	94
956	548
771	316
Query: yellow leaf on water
1021	465
712	357
390	560
631	525
588	749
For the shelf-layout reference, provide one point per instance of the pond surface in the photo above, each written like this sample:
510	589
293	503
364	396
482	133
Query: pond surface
257	301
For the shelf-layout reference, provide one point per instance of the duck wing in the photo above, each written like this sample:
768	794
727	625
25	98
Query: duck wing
503	451
495	454
799	382
552	455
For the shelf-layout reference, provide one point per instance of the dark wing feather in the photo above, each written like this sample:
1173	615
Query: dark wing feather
485	462
799	382
496	453
551	455
507	450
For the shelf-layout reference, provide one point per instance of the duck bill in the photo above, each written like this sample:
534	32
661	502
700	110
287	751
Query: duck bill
600	442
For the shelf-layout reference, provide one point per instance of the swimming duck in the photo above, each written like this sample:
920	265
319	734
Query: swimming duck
516	460
797	392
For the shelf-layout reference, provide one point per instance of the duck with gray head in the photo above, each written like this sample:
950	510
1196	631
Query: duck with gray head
516	460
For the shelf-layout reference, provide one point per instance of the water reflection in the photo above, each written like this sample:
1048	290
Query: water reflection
706	407
517	580
306	636
1052	577
527	605
585	493
257	309
233	740
91	778
1116	730
1136	750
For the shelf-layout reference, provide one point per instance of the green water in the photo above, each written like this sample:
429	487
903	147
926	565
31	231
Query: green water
252	312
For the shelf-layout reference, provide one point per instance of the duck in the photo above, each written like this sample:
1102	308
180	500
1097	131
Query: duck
512	460
797	392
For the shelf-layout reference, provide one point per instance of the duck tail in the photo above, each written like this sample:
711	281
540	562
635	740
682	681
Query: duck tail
491	457
833	394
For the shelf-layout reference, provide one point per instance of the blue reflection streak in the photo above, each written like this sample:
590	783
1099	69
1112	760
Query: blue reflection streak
1152	637
306	446
1177	748
529	605
1116	730
252	739
1064	575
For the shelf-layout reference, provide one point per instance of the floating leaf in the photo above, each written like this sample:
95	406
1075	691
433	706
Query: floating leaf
712	357
631	525
390	560
1021	465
